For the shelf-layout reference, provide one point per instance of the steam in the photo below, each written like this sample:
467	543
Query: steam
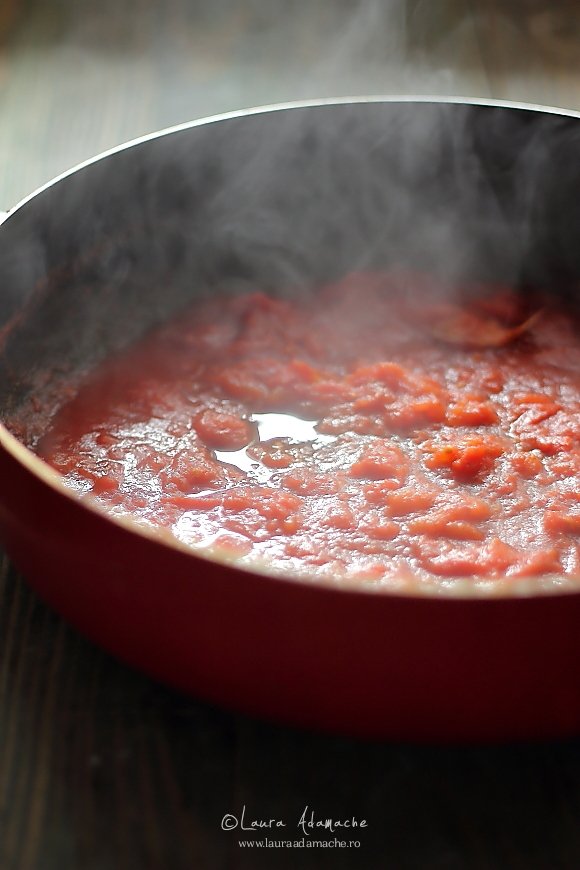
287	200
130	68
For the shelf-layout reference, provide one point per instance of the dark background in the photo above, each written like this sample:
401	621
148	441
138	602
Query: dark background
100	768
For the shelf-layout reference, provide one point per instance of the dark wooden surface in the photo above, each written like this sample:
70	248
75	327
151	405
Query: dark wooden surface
101	768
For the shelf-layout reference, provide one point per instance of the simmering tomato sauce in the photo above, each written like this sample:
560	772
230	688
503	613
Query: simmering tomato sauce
368	430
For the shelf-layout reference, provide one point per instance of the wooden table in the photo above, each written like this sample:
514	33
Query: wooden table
101	768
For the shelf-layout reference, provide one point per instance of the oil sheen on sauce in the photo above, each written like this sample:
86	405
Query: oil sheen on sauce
339	434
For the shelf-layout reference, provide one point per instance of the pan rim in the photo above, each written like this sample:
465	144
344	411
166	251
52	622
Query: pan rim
449	589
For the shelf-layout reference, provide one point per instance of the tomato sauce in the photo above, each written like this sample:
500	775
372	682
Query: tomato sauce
367	430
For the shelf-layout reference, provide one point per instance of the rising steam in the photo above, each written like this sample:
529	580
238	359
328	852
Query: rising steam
286	200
